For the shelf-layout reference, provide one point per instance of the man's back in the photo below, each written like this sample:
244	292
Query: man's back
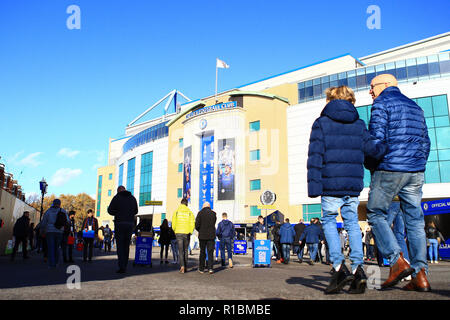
205	224
123	207
400	122
183	220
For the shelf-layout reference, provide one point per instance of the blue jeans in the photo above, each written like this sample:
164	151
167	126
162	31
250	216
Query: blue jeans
433	249
54	241
396	218
286	248
408	186
225	243
174	245
313	248
349	212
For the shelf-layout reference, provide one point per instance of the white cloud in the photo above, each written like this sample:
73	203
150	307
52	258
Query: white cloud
67	152
64	175
30	160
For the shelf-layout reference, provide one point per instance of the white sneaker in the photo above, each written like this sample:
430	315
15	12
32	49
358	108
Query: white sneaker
436	261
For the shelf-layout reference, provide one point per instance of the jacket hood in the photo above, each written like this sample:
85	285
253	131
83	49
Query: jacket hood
124	193
285	225
341	111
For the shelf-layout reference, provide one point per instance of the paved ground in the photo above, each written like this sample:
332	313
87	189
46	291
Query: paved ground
31	279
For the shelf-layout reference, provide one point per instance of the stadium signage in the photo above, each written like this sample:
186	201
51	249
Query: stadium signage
216	107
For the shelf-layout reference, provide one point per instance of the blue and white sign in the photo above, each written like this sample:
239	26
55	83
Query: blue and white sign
216	107
203	124
206	192
143	250
240	247
444	249
262	250
436	207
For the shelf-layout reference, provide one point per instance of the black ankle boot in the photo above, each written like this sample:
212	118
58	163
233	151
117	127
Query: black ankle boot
359	283
339	279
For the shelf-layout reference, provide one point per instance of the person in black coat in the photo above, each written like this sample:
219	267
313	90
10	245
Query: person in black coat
276	241
123	207
299	246
164	240
205	224
20	232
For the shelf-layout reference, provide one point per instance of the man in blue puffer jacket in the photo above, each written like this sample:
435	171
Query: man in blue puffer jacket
226	234
338	144
399	122
287	235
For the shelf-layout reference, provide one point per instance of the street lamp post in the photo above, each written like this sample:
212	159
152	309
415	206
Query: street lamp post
43	186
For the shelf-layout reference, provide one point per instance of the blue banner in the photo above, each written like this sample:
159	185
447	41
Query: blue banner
206	193
436	207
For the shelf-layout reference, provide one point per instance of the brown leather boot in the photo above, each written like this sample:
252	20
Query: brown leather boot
419	283
400	270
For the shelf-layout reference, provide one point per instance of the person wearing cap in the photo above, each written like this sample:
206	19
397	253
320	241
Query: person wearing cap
53	235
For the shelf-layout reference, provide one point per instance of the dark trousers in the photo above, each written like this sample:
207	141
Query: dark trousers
209	246
279	250
66	248
164	247
24	242
123	232
107	245
183	245
88	246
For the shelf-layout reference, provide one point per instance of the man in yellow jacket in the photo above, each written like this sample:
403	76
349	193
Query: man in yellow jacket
183	223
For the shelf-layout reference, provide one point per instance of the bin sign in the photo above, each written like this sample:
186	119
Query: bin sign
262	252
143	250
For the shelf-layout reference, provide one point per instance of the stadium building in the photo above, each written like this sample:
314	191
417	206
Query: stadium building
228	149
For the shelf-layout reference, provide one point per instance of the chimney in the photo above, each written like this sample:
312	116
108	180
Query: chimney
9	182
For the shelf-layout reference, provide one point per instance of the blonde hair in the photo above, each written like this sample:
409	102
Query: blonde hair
342	92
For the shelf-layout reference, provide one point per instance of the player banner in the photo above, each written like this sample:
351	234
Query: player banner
206	193
226	169
187	173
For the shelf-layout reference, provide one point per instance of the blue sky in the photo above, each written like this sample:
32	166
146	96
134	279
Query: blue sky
64	93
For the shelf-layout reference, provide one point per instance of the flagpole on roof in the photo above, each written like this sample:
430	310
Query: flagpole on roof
215	95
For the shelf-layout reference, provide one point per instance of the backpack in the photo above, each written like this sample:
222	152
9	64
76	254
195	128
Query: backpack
61	220
107	232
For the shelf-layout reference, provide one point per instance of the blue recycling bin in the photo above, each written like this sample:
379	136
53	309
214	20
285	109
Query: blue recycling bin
143	255
262	250
240	247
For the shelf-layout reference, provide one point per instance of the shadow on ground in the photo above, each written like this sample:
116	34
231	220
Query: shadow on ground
35	272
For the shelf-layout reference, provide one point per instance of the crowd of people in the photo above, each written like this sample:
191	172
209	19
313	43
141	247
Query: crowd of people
395	149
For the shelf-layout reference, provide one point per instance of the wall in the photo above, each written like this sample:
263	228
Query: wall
12	209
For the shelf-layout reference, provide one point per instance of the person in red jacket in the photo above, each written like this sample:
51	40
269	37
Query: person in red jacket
90	230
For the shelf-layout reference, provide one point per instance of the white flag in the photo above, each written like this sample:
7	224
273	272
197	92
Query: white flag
221	64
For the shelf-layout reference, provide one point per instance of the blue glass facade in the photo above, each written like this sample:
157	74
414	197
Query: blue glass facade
409	70
145	188
438	122
153	133
121	175
130	175
99	194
